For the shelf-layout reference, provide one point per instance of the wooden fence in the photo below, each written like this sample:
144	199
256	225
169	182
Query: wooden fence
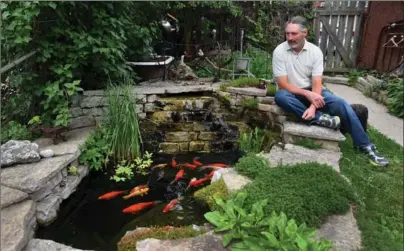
337	25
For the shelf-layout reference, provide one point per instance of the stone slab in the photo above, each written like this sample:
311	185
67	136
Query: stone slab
293	154
10	196
32	177
313	131
205	242
275	109
266	100
325	144
48	245
342	230
231	178
74	139
250	91
47	209
17	226
336	80
82	121
71	182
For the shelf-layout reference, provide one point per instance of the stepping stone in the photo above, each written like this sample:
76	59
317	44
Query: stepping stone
18	225
329	138
293	154
342	230
11	196
48	245
231	178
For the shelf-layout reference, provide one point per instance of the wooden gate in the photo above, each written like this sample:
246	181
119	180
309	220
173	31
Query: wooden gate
337	25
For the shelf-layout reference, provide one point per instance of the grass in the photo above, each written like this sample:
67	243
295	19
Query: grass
241	82
122	122
308	143
380	211
128	243
250	103
306	192
271	90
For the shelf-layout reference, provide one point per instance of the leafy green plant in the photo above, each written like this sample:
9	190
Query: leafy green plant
253	141
122	123
16	131
354	75
73	170
125	170
252	165
95	151
396	97
308	143
253	230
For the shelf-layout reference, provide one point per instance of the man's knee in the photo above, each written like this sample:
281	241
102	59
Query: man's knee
282	97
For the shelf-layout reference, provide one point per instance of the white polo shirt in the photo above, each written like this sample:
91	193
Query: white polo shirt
299	68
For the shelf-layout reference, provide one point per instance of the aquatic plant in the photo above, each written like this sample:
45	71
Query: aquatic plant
125	170
253	230
122	123
206	194
256	140
128	242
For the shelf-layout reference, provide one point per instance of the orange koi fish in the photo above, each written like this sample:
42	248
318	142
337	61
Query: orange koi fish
137	188
111	195
171	205
210	175
195	162
173	162
215	168
178	176
190	166
159	166
219	165
140	191
194	182
136	208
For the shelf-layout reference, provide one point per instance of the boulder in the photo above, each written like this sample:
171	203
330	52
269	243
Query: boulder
48	245
18	152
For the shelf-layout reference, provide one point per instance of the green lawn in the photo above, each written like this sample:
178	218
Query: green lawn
380	209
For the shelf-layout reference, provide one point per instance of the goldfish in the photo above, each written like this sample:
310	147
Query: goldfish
190	166
194	182
140	191
111	195
178	176
173	162
159	166
139	207
137	188
210	175
219	165
195	162
211	167
170	205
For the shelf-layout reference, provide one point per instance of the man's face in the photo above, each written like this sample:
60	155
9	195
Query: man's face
295	36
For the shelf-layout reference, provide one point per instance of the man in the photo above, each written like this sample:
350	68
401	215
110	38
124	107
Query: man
298	69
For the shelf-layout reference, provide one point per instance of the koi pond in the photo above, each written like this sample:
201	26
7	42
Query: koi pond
87	222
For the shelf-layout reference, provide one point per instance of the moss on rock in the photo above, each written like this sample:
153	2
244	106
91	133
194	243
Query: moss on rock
206	194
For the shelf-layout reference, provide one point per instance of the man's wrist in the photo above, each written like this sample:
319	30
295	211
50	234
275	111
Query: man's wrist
313	107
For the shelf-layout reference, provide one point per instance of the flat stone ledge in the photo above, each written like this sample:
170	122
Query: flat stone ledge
293	154
313	131
250	91
275	109
336	80
10	196
31	177
231	178
18	224
48	245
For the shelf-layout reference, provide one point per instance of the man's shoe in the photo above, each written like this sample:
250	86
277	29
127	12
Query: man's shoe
326	120
375	158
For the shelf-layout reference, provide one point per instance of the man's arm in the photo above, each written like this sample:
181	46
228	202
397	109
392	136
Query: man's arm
317	74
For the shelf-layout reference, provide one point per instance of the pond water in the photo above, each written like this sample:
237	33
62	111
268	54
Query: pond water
85	222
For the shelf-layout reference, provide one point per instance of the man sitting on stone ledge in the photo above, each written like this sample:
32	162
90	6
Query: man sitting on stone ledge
298	69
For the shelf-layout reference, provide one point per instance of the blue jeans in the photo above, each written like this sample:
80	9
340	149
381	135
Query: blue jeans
334	106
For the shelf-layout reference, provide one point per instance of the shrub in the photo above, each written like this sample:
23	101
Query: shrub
250	103
206	195
95	151
16	131
271	90
252	166
306	192
396	97
257	140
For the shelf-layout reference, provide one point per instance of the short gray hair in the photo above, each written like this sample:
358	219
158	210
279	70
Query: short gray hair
301	21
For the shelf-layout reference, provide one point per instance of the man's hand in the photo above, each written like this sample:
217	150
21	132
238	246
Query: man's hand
316	99
310	113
